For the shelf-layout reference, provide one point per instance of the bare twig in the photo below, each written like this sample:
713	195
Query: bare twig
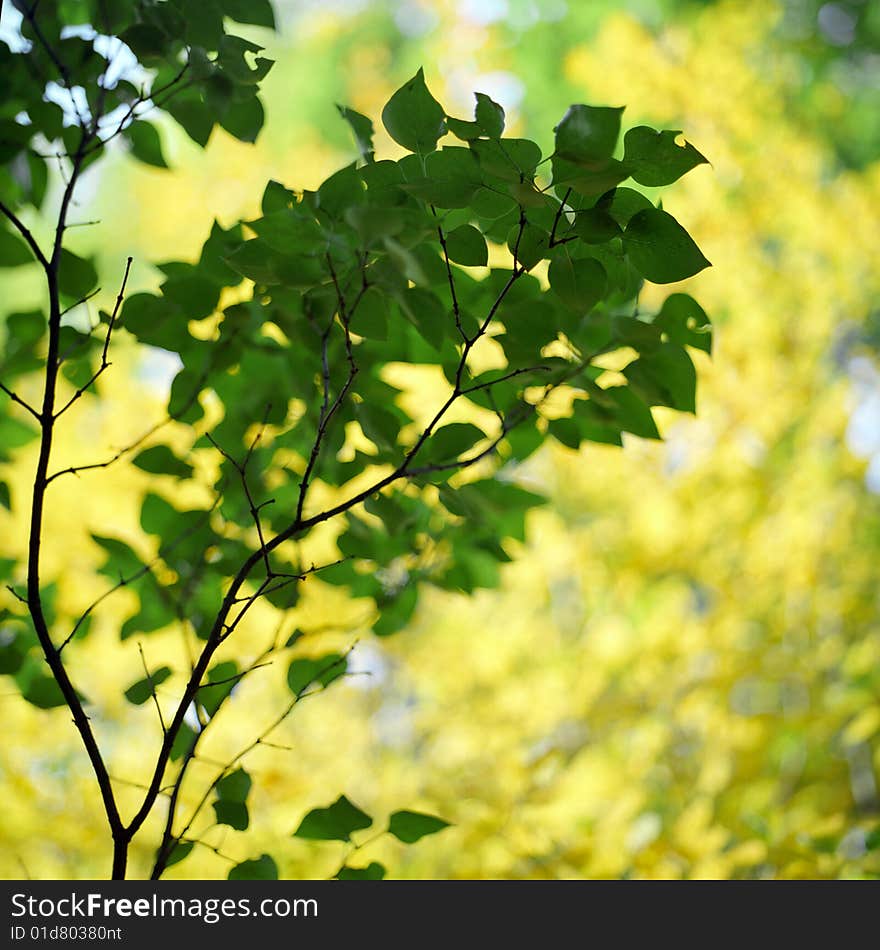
104	362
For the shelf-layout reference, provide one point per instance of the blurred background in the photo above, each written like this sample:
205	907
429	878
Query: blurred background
679	674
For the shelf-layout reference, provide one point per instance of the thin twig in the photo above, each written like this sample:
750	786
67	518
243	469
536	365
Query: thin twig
104	362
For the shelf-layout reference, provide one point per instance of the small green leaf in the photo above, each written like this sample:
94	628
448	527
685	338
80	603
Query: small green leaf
194	117
76	275
588	133
396	611
261	869
370	317
684	321
489	116
660	248
44	692
222	679
409	826
323	669
147	42
13	251
578	282
450	441
160	460
334	823
233	814
372	872
413	117
243	119
488	121
255	12
180	851
182	742
146	146
665	377
466	245
235	786
138	693
362	127
656	159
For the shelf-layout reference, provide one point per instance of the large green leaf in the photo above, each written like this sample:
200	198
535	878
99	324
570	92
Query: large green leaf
660	248
588	133
578	282
146	146
656	158
413	117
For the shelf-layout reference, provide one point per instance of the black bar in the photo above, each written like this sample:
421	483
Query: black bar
167	915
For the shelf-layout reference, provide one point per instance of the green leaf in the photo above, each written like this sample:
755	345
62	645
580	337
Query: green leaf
588	178
160	460
121	559
255	12
372	872
76	275
222	679
147	42
452	177
5	499
13	251
334	823
413	117
138	693
14	434
146	146
370	317
488	121
596	226
379	425
195	294
182	742
180	851
234	787
362	127
466	245
684	321
42	691
588	133
489	116
660	248
323	669
396	611
656	159
409	826
243	119
193	115
579	282
276	197
450	441
509	159
233	814
262	869
665	377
